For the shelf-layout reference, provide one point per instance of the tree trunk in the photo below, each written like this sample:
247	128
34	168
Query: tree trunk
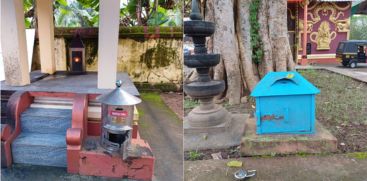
263	16
138	13
232	39
244	41
225	43
279	33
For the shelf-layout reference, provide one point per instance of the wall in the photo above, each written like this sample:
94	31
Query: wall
146	58
335	15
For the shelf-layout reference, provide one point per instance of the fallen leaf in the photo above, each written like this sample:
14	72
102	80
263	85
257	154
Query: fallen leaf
234	163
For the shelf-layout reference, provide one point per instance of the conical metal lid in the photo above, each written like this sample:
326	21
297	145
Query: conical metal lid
118	97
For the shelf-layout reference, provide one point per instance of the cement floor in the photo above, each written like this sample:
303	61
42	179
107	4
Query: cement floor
61	82
162	129
290	168
358	73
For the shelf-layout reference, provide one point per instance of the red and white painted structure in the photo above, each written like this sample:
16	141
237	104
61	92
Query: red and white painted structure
79	160
318	18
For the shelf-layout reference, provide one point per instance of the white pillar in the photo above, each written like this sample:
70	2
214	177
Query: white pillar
13	43
108	34
45	24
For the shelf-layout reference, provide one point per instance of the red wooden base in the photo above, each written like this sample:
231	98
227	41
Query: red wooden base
97	162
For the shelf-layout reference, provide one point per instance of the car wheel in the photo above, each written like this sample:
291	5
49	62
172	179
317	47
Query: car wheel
345	64
353	65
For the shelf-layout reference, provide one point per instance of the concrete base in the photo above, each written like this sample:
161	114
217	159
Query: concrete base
252	144
95	161
222	136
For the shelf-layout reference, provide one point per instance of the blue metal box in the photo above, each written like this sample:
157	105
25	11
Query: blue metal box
285	104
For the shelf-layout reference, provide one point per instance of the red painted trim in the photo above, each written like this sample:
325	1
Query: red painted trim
78	131
74	142
94	128
5	132
134	134
137	168
304	38
92	97
80	113
17	104
324	61
52	94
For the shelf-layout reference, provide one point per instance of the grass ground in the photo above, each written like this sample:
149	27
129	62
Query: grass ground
341	108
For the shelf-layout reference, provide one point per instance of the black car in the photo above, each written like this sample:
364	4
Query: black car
352	52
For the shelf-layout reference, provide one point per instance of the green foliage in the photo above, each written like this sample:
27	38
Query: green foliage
85	13
190	103
358	155
158	17
28	5
358	26
256	45
81	13
195	155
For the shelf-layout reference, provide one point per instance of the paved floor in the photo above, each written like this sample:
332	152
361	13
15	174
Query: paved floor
162	129
290	168
359	73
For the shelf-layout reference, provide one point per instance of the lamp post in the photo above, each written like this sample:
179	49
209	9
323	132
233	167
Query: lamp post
77	56
208	125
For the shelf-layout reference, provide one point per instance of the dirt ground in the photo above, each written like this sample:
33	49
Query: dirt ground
336	167
174	100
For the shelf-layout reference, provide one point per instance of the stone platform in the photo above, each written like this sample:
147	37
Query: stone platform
95	161
219	137
63	82
252	144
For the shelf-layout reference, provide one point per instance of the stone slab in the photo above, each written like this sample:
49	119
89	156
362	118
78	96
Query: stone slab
40	149
320	142
215	140
40	120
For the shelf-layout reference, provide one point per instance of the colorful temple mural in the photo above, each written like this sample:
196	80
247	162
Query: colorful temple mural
327	24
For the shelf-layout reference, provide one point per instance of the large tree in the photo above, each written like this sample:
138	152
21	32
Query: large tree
252	38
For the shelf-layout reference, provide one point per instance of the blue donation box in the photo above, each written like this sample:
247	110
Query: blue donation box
285	104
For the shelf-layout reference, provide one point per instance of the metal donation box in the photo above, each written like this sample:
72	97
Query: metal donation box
117	118
285	104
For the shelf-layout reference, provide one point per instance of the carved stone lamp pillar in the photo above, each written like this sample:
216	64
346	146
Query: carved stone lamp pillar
209	125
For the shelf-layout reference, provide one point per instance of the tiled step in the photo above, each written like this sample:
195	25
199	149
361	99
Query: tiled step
41	120
40	149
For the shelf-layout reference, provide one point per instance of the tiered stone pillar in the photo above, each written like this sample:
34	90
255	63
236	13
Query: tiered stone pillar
209	125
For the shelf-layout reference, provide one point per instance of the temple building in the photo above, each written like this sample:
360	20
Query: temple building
326	23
